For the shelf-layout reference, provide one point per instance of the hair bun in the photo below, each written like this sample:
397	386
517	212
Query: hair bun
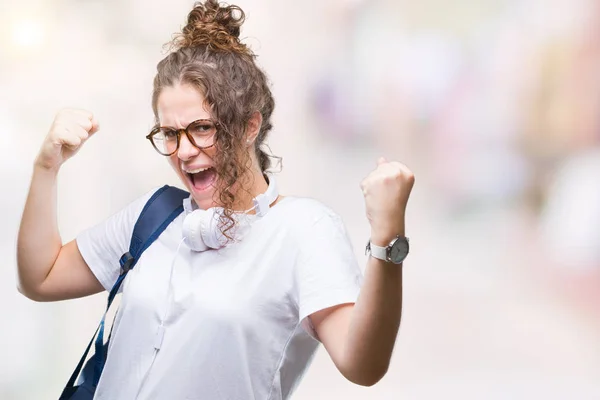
213	25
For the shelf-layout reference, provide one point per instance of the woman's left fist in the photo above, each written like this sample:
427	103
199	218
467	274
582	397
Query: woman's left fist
386	191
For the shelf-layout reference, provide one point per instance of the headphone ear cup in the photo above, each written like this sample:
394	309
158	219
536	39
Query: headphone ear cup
191	230
208	225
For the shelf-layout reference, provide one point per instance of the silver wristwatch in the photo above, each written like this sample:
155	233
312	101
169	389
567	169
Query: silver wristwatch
395	252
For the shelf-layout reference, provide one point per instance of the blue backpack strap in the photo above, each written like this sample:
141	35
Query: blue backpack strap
153	220
160	210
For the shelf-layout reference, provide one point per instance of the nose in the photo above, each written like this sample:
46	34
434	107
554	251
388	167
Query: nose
186	149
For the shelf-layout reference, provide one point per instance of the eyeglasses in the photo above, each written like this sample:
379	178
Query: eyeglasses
200	133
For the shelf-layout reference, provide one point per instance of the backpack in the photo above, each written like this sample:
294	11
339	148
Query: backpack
158	212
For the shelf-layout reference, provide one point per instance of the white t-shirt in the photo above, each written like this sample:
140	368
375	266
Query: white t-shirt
235	319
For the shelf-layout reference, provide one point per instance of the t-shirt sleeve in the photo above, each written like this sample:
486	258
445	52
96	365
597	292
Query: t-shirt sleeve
327	272
102	245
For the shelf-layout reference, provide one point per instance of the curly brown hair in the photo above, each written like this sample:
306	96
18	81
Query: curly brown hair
209	55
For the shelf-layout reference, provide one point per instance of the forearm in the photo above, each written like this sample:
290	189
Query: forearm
376	318
38	242
375	321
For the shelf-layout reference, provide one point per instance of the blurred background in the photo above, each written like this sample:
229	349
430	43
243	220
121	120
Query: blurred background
493	104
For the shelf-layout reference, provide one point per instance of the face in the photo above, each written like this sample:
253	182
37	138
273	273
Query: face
177	107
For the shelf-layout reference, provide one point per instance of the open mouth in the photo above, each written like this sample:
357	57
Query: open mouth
202	180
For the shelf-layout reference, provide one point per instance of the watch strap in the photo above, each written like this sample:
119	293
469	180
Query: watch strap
378	251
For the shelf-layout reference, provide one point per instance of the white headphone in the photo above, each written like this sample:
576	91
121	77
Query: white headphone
201	227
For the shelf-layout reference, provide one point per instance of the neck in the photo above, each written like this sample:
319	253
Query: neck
253	184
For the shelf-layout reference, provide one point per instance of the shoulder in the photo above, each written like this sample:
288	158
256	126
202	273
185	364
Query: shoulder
124	218
137	204
306	209
307	216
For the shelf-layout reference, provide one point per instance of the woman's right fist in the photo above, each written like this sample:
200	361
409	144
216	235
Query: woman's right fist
70	129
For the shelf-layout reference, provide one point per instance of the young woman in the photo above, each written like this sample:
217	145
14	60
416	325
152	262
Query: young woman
240	317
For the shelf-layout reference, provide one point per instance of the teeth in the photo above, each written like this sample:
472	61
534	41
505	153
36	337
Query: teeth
195	171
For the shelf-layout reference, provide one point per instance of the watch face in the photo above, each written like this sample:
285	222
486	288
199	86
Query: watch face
399	250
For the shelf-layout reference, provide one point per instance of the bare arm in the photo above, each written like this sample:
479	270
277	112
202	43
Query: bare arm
47	270
360	338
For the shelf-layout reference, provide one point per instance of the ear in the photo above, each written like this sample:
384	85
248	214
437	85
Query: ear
253	127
